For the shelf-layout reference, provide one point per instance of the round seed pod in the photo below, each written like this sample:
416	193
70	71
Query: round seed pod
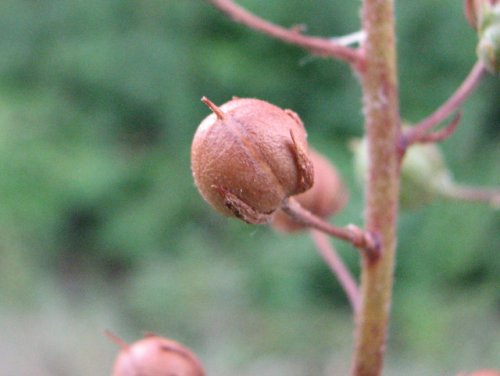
156	356
248	156
485	372
327	196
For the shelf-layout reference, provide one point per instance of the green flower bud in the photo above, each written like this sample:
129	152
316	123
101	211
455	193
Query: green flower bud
488	49
424	175
484	16
477	10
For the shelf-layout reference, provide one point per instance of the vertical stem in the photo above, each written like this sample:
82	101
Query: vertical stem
381	110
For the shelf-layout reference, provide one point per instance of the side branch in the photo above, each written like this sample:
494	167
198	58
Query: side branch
419	131
362	240
432	137
338	268
316	45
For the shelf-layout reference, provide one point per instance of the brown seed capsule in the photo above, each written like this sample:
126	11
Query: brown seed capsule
248	156
327	196
485	372
156	356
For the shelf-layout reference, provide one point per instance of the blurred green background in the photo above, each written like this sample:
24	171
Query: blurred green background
102	227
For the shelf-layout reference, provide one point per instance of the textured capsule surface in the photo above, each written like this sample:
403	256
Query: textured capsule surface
248	156
157	356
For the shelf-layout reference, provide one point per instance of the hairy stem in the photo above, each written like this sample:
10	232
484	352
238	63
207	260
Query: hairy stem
381	110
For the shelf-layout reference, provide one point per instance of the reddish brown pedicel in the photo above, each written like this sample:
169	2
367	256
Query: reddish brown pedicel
248	156
157	356
327	196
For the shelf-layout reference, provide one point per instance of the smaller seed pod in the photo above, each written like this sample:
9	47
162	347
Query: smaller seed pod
248	156
327	196
484	372
156	356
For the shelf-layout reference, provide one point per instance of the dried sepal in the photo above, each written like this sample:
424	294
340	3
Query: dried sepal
241	209
304	165
294	116
216	110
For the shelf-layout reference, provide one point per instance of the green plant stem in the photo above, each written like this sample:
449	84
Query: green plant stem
382	127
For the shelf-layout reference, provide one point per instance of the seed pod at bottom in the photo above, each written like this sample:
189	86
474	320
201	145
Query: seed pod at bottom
157	356
248	156
327	196
484	372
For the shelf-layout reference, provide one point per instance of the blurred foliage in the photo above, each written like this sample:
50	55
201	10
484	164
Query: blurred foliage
101	226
